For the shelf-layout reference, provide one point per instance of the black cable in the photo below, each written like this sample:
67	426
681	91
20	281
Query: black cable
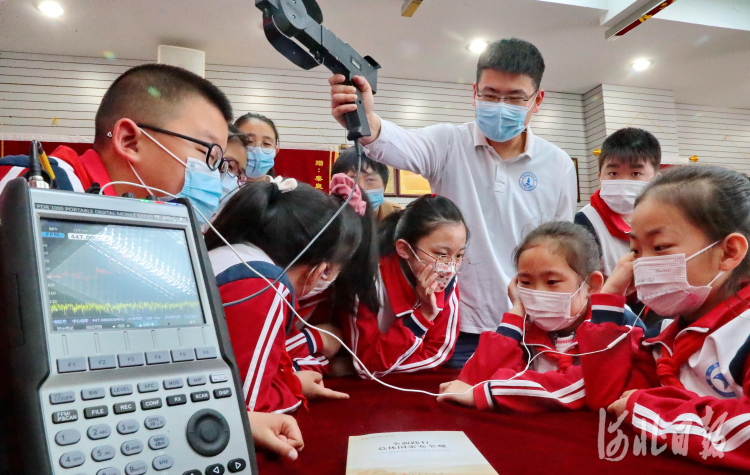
359	150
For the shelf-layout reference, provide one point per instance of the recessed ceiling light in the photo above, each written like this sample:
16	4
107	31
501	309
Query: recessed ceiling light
477	46
641	64
51	8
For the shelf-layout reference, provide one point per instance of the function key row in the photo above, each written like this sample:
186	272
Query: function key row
90	394
125	360
71	415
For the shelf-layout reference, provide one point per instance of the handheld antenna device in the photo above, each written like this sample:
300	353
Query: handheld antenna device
286	20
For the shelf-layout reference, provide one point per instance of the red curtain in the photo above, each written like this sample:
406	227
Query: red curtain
308	166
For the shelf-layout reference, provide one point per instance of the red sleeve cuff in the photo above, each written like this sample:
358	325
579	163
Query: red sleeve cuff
483	397
630	406
318	339
513	319
426	324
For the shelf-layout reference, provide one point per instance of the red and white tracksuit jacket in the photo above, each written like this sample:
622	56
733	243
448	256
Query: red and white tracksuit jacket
258	328
72	172
691	379
398	338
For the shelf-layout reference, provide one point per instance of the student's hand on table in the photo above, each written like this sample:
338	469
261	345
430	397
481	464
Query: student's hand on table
426	288
313	387
621	278
465	392
277	433
515	300
618	407
344	98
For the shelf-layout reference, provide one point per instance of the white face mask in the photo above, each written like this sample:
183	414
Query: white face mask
550	311
620	195
663	287
445	272
320	286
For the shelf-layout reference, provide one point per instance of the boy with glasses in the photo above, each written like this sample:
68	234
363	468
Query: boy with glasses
505	180
158	125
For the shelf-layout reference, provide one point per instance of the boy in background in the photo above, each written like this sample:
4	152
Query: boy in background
629	159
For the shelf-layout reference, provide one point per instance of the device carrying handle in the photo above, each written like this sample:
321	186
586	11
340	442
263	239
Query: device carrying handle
356	121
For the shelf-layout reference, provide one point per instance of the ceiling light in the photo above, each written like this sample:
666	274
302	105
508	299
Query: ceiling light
478	46
51	8
641	64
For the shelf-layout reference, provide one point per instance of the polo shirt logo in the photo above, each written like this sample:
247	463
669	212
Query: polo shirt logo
528	181
717	381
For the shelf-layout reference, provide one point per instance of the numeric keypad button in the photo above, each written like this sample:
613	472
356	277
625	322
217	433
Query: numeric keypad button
131	447
105	452
136	468
128	426
102	431
67	437
72	459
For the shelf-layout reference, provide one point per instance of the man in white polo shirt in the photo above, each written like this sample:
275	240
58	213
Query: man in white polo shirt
505	180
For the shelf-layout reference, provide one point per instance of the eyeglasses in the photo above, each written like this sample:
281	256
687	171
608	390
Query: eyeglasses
214	152
266	145
232	168
514	100
446	259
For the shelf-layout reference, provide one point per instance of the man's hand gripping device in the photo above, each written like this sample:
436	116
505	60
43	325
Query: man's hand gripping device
301	20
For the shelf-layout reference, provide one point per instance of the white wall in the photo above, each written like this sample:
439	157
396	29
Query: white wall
36	89
718	136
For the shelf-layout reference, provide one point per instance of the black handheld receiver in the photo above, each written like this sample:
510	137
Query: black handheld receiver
302	20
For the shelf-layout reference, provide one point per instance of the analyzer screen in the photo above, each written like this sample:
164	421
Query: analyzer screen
112	276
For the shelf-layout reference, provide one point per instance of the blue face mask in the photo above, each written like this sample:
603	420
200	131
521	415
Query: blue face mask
501	122
202	185
376	197
228	184
259	161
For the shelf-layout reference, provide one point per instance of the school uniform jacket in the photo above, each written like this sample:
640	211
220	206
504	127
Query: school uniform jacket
72	173
690	379
608	228
258	327
398	338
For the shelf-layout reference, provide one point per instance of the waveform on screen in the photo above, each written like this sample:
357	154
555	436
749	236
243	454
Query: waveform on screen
123	308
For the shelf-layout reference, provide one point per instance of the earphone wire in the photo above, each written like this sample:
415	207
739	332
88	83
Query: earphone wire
356	358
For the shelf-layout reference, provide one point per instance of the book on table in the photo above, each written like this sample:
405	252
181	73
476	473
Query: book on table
415	453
